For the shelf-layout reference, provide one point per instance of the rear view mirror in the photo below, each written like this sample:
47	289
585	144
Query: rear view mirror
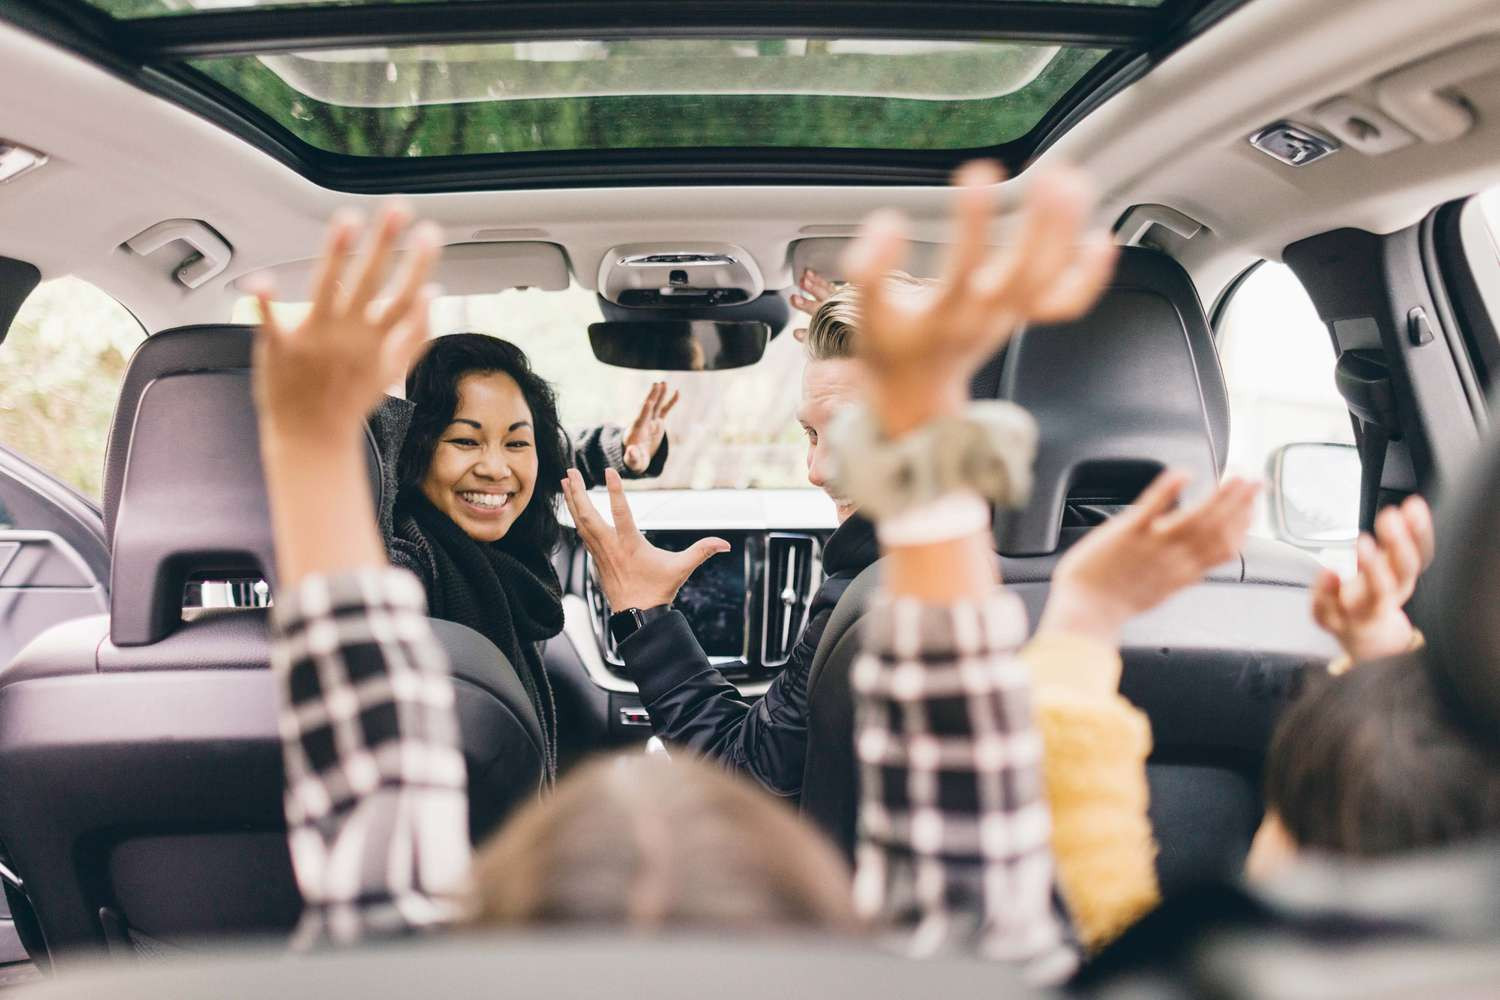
699	345
1315	494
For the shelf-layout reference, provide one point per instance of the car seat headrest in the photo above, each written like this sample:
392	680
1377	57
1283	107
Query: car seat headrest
185	492
1131	388
1462	590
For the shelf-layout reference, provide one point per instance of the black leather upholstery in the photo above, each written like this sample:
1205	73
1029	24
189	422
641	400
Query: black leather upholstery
140	767
1457	602
1132	387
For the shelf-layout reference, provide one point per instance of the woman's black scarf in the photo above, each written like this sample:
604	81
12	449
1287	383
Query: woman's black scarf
507	591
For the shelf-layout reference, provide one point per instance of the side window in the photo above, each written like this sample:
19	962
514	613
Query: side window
1278	363
1478	298
60	371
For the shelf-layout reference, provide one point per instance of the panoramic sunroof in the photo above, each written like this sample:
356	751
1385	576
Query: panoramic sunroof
156	8
656	93
427	95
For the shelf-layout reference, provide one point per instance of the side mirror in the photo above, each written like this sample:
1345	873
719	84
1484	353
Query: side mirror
1315	494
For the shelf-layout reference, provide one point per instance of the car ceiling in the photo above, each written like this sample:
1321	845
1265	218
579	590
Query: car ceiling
121	161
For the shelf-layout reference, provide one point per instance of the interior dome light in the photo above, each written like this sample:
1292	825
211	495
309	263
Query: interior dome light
17	160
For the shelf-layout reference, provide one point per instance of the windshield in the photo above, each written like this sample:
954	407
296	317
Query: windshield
732	429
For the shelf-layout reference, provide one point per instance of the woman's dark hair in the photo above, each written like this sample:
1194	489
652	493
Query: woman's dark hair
433	387
1370	763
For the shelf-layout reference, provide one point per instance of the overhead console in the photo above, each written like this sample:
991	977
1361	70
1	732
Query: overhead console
686	275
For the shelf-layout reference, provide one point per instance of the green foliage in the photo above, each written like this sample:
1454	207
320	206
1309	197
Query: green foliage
60	373
662	120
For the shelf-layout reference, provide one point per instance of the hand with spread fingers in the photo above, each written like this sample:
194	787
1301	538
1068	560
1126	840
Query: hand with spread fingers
316	381
323	375
816	290
633	573
644	435
1140	558
921	348
1365	613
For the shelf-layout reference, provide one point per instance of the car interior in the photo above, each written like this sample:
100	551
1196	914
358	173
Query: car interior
658	206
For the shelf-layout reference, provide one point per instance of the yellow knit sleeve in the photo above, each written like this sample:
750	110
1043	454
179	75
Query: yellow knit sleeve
1095	744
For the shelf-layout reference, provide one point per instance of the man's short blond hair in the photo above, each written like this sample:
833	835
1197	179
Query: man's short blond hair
830	335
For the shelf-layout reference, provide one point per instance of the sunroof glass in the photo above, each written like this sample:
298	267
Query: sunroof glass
657	93
156	8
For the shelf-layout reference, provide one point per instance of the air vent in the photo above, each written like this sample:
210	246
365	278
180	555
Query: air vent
791	574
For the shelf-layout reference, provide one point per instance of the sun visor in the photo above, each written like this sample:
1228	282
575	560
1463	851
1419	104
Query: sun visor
465	269
824	254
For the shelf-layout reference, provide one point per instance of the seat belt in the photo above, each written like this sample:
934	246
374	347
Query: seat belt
1374	441
1364	380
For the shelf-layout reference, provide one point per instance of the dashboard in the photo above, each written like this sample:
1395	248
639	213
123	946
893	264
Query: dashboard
746	606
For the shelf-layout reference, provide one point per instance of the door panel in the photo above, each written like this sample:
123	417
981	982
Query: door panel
43	581
54	566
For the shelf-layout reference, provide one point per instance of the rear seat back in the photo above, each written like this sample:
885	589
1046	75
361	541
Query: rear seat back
1131	388
140	765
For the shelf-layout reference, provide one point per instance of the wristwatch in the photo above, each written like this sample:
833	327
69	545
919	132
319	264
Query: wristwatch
624	624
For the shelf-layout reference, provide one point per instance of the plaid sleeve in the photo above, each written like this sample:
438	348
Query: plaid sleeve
376	802
953	846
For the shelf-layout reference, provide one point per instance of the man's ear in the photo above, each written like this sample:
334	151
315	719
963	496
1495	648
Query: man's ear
800	335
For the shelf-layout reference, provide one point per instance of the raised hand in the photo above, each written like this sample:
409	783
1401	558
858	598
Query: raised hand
645	433
633	573
816	290
922	348
322	376
316	381
1138	559
1365	614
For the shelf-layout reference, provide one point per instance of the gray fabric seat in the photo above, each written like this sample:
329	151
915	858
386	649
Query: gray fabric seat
140	768
1131	388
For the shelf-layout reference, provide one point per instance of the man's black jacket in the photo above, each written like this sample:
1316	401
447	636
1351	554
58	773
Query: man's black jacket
692	705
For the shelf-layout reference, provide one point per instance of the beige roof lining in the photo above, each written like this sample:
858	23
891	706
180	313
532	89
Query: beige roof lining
122	161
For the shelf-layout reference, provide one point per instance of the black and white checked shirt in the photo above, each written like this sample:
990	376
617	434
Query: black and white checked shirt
953	851
376	801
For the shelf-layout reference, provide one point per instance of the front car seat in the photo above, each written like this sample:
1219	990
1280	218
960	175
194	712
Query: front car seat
140	766
1131	388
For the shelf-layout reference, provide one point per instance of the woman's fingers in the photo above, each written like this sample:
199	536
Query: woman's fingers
586	518
1072	294
619	507
342	233
1419	521
1400	549
369	273
409	337
422	255
700	552
1376	583
879	249
1327	606
265	298
668	403
1159	497
1057	209
974	207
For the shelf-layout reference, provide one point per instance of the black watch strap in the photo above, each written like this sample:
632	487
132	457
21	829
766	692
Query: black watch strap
624	624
